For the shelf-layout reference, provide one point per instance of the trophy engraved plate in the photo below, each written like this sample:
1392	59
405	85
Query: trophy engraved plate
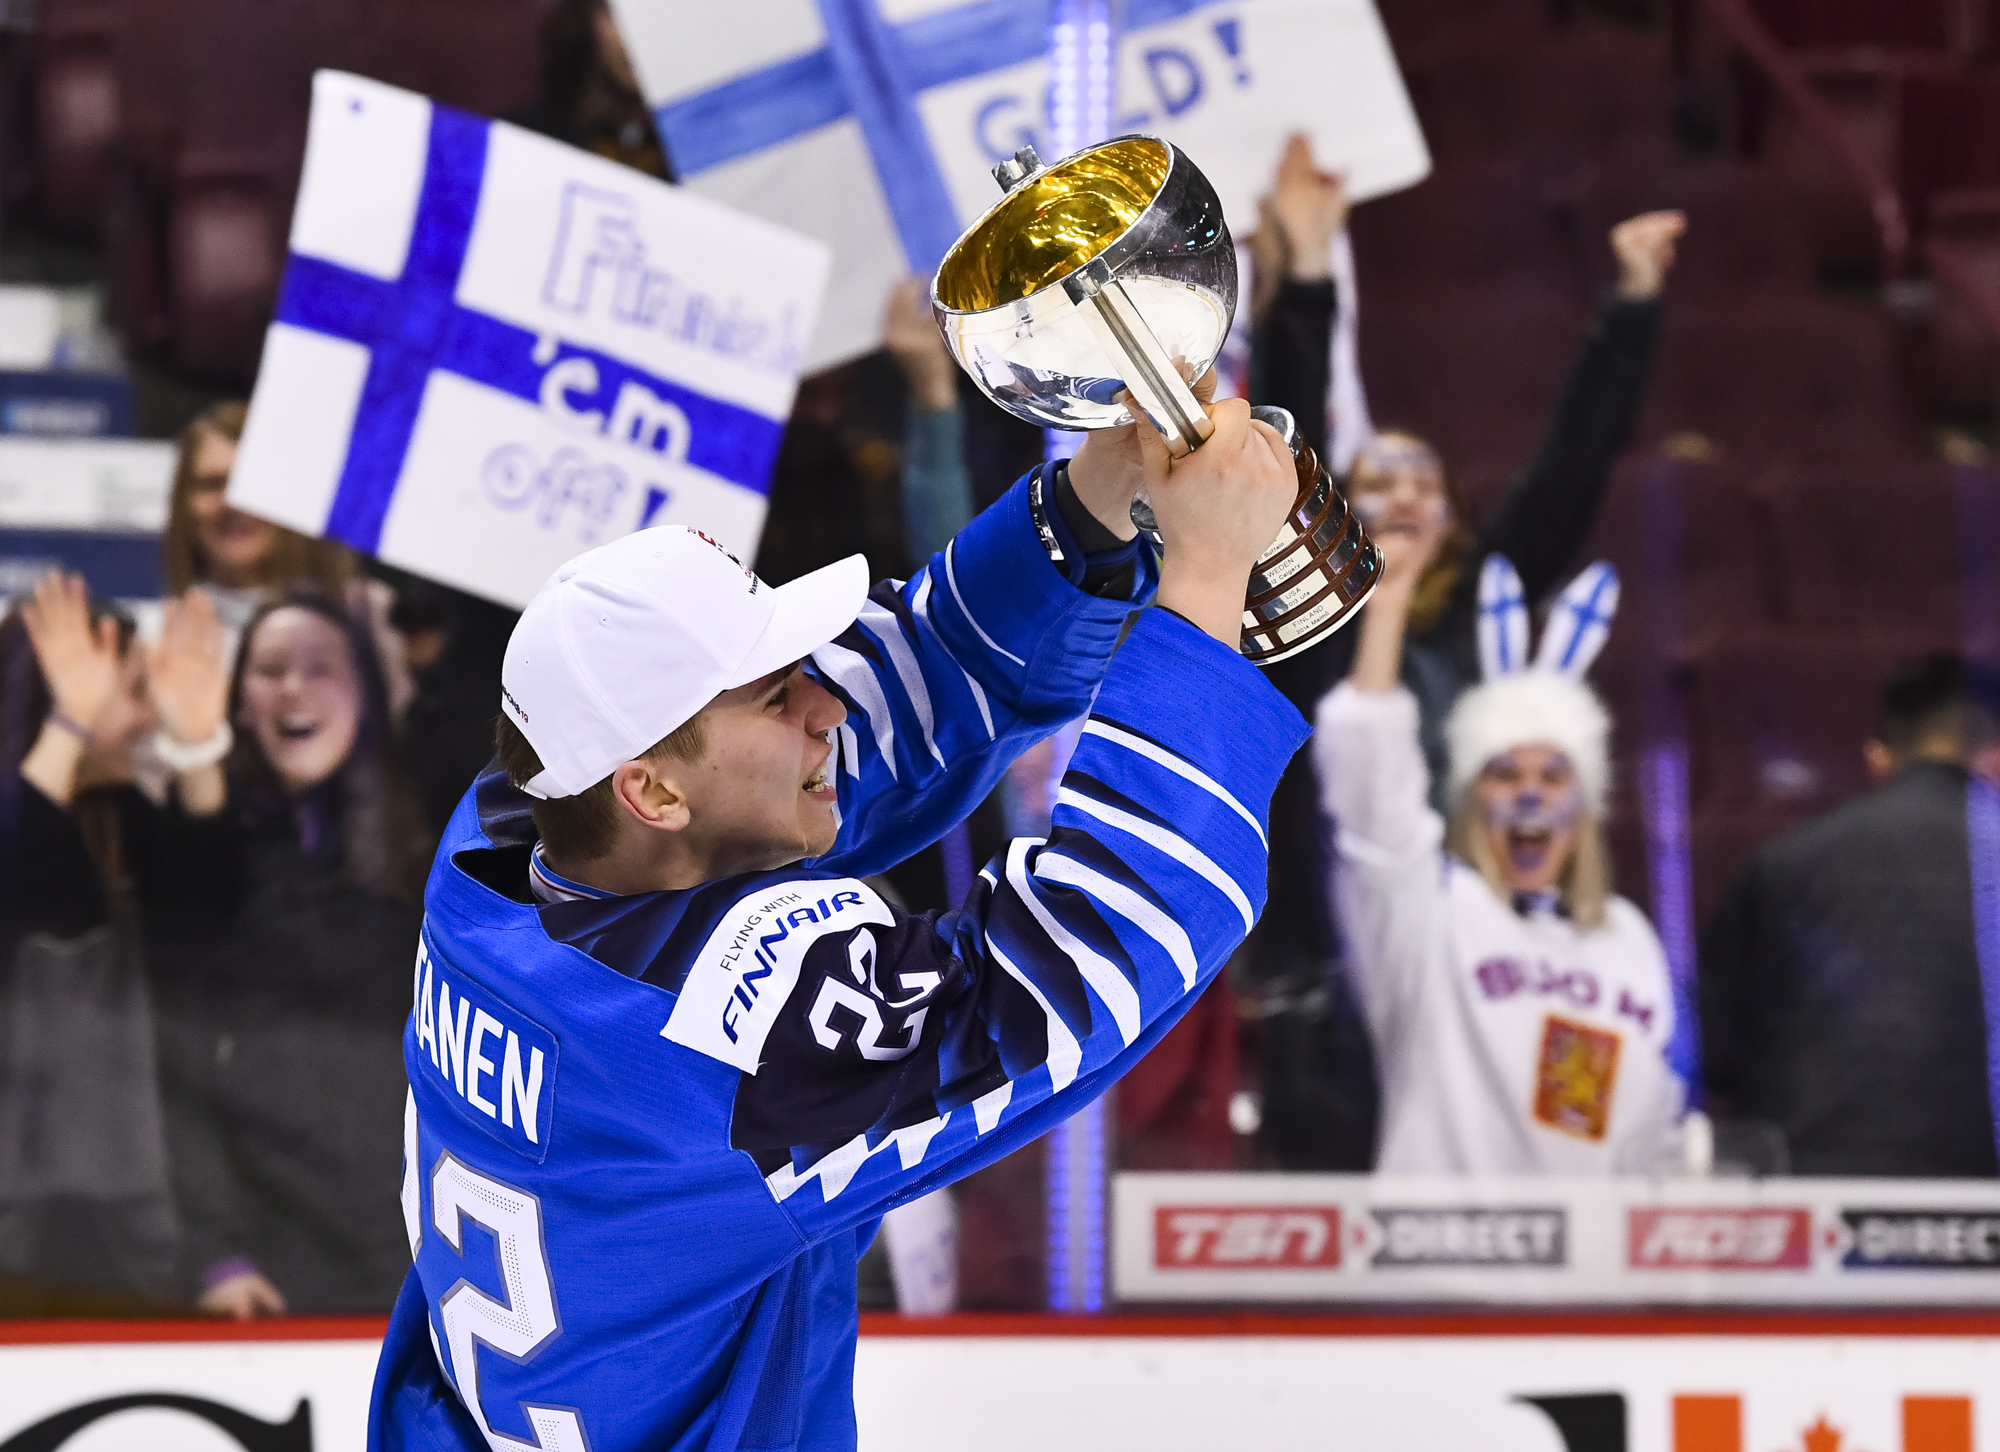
1109	273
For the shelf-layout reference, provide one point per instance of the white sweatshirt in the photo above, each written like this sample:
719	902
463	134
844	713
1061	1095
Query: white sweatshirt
1507	1044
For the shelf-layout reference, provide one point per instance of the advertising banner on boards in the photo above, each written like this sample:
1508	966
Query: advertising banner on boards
1513	1390
1303	1239
874	124
492	351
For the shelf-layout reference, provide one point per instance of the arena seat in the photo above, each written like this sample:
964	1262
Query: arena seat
1926	27
1474	370
226	250
1777	719
76	111
1868	542
478	55
1764	376
1415	241
1691	545
1947	135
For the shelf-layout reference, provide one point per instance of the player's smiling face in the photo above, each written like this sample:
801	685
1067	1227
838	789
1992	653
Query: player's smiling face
762	793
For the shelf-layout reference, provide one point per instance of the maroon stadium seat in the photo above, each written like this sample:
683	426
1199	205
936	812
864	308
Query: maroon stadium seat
1947	136
1763	376
226	250
1868	542
77	111
1690	542
1934	27
1778	720
479	55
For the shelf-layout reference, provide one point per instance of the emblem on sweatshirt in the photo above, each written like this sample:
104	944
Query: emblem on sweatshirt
1575	1077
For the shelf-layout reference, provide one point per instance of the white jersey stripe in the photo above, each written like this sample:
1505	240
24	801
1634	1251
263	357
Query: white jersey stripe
920	606
1065	1053
853	674
979	700
1055	867
988	1107
951	578
1177	766
887	631
1171	843
1105	978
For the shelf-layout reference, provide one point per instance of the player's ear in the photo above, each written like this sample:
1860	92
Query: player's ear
650	793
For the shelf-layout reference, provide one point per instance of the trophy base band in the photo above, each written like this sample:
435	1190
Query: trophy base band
1316	576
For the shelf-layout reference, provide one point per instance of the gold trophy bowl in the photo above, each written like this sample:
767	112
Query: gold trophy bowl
1102	275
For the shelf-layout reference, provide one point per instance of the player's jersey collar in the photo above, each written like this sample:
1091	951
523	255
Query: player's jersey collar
549	886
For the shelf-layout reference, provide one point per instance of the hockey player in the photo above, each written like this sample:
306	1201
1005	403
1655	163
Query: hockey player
672	1058
1520	1011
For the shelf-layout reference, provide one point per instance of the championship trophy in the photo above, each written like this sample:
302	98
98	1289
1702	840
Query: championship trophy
1097	275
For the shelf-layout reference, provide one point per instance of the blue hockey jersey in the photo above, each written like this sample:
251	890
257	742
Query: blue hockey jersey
649	1136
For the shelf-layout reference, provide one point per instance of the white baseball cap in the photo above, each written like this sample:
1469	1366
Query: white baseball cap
630	640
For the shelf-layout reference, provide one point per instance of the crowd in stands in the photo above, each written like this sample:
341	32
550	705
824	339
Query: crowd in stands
217	815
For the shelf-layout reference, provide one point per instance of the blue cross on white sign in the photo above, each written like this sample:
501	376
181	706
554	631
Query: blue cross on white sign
492	351
872	124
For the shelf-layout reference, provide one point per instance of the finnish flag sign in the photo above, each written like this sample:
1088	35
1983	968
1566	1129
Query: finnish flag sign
492	351
873	124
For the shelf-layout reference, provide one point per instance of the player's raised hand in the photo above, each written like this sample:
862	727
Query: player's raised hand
79	660
1110	469
187	670
1219	508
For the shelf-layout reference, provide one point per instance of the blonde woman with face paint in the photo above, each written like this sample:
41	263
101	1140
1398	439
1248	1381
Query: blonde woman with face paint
1520	1010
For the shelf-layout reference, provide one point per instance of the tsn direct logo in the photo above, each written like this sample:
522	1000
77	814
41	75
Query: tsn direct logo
1747	1239
1246	1237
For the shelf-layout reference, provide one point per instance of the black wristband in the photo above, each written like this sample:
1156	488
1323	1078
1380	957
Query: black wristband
1091	534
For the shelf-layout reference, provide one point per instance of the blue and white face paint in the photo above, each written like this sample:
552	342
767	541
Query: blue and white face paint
1396	485
1531	804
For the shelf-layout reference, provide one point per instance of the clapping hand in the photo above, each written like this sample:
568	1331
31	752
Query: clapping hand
188	670
78	657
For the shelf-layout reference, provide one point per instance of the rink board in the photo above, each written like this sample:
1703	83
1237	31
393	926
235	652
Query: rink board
1381	1240
1550	1383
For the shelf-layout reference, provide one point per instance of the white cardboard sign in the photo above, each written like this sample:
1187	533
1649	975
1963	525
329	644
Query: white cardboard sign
493	351
873	124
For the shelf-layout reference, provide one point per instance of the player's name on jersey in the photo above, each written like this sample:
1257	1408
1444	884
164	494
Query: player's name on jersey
499	1064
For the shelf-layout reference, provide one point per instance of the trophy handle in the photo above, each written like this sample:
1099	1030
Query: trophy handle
1129	341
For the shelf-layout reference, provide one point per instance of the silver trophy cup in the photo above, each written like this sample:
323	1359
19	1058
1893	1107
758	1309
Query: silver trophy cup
1104	274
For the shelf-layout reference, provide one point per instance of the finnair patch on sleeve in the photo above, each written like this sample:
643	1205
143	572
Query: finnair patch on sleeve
749	966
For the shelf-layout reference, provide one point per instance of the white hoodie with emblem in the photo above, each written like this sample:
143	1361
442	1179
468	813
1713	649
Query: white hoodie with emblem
1506	1044
1509	1043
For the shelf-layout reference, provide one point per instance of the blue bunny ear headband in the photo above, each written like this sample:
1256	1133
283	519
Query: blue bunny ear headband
1540	701
1578	626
